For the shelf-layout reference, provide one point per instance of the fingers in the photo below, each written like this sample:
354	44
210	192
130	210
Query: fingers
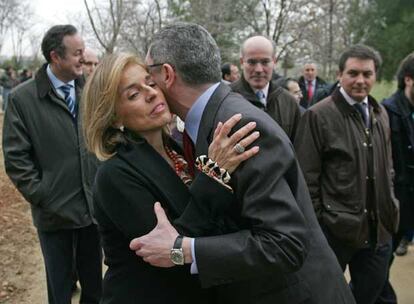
160	213
217	130
247	141
135	244
248	153
229	124
242	132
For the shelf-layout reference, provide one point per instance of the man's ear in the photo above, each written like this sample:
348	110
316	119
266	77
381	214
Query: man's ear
169	75
54	56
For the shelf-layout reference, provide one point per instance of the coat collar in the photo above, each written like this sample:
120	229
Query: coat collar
44	86
205	130
146	162
399	104
243	87
346	108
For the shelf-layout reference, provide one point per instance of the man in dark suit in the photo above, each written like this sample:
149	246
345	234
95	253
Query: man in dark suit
46	159
310	83
279	253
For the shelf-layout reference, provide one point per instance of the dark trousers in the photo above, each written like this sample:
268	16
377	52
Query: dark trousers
58	248
368	268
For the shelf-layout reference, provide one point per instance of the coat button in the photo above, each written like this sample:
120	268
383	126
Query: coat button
328	206
365	242
365	211
364	144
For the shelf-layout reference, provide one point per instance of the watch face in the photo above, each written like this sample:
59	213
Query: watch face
177	256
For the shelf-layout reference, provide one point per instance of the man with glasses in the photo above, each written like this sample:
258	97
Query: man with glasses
257	60
276	252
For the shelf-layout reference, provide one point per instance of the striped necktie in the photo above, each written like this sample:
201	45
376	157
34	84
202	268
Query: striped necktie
68	99
261	96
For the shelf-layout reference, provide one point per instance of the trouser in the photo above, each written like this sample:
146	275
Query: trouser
58	248
368	268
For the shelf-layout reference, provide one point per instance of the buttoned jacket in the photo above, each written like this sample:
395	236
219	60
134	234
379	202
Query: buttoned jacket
335	150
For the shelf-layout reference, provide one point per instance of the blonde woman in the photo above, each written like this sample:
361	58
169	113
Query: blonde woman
125	115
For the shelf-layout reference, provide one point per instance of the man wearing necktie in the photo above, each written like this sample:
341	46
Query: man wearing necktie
310	83
46	159
343	146
276	252
257	60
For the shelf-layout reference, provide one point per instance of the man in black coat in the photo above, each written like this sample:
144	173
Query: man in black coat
46	159
310	83
257	60
279	253
400	109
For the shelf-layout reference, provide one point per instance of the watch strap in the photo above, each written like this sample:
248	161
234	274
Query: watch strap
178	242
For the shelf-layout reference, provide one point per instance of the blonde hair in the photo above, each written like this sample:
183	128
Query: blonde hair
99	97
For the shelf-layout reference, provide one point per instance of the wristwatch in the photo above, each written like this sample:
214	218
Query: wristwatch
176	253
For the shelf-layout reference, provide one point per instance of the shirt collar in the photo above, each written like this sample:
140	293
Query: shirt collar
56	82
193	118
349	98
265	90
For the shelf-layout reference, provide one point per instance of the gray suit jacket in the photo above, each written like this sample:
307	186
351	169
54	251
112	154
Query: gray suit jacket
280	254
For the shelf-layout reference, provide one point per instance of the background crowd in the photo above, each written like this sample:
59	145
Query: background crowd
355	153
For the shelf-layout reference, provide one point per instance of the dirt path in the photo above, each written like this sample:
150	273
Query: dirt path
22	277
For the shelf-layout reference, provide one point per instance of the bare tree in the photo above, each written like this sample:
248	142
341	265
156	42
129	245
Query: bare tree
107	20
8	14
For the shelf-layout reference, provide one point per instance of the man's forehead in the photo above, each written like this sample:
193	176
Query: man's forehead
354	63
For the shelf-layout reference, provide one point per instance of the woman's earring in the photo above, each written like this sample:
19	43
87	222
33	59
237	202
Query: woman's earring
122	129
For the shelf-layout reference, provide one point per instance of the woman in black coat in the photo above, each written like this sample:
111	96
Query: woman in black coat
125	115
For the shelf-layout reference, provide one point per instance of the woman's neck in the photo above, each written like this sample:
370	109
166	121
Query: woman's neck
155	139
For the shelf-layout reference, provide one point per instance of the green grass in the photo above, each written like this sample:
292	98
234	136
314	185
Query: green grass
383	89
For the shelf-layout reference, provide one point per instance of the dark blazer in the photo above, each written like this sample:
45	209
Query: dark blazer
126	188
400	113
281	106
279	254
320	84
45	155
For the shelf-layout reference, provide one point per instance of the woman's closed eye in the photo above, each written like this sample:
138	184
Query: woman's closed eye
133	94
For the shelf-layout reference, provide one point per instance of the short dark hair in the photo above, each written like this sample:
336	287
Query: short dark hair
53	40
225	69
285	82
406	69
360	51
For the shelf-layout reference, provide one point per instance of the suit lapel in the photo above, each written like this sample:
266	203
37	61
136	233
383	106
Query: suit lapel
162	180
207	124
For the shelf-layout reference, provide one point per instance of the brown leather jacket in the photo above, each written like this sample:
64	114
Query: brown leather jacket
336	153
281	106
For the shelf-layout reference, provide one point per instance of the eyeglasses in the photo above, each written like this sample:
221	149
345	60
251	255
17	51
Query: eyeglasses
155	65
263	62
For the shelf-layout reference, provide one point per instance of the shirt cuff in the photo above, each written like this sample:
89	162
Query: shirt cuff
193	269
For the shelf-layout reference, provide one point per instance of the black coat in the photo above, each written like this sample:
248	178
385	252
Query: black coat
401	116
126	188
280	105
320	84
279	254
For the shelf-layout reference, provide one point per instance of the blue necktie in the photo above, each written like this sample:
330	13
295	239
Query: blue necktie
360	107
261	96
68	99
